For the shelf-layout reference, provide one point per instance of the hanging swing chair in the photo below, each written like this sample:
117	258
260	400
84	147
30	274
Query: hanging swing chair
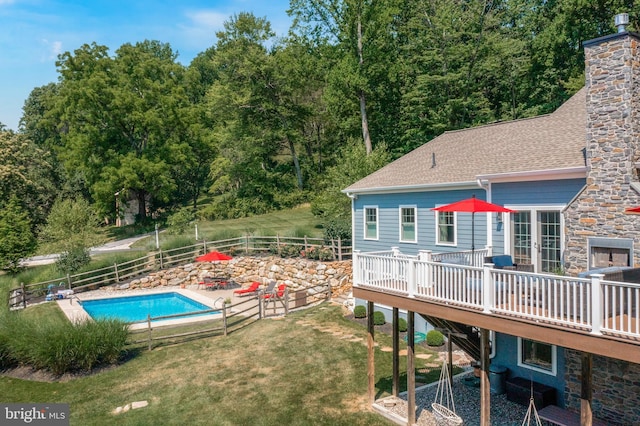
532	413
444	408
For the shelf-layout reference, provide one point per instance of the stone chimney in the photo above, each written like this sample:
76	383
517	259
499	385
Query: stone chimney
598	231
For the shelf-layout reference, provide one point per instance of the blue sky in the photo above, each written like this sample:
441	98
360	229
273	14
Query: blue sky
34	32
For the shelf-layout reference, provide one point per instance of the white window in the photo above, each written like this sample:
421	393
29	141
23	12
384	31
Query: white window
370	223
537	356
408	229
446	228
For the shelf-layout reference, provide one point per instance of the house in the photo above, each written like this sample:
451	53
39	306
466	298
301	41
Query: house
569	176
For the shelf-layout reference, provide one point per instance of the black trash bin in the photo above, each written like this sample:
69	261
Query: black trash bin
497	379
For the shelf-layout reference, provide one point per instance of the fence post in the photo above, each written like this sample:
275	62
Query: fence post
305	243
339	249
24	296
278	244
260	300
69	280
204	245
333	249
224	318
149	328
115	267
246	243
161	262
286	301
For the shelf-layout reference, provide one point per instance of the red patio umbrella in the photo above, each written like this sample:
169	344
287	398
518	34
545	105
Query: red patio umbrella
473	205
213	256
632	210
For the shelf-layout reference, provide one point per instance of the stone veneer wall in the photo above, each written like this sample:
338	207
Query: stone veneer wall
613	114
295	272
615	388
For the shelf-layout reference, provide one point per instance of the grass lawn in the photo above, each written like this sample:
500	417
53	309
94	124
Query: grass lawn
307	368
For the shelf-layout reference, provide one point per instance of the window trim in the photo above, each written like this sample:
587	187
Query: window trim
415	224
454	243
364	214
554	359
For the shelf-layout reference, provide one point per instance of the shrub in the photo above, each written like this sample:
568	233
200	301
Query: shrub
179	221
402	324
62	347
378	318
360	311
435	338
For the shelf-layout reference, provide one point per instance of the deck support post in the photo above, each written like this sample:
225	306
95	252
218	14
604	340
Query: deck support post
586	391
370	355
411	371
395	386
485	390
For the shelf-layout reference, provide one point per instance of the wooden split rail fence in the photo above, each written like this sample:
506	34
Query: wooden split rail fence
20	297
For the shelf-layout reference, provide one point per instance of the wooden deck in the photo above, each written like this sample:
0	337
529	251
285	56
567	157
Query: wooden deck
590	315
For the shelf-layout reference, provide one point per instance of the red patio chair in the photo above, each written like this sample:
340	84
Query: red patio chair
248	290
279	293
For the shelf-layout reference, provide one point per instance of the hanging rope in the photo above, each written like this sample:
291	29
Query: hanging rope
532	413
443	408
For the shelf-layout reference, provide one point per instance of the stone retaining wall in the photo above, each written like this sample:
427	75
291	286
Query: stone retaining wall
295	272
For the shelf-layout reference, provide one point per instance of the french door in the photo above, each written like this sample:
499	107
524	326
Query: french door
536	237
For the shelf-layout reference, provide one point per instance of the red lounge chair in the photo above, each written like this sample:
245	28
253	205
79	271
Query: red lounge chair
247	291
279	294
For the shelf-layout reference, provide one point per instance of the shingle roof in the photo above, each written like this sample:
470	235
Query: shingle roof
547	142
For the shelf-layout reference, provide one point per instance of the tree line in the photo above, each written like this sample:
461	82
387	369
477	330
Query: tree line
256	123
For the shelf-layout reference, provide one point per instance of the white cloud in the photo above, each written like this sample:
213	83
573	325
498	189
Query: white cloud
205	19
53	48
198	30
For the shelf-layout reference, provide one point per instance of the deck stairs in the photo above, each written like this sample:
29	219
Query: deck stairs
469	344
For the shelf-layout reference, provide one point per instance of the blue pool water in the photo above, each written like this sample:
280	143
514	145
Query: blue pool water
136	308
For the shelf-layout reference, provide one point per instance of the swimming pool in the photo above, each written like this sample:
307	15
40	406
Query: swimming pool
136	308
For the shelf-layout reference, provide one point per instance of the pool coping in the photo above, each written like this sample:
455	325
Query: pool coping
76	313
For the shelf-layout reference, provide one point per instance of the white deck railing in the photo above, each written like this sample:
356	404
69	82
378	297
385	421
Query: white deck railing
590	304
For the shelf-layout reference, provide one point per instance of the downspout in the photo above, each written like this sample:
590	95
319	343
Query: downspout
486	185
353	197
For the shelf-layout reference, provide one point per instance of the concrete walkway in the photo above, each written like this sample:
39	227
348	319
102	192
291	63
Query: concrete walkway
110	247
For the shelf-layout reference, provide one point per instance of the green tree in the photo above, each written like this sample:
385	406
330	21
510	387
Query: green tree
257	114
17	240
331	204
72	228
126	119
364	69
26	174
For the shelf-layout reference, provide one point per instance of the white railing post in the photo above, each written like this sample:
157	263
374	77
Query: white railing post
487	288
412	278
425	255
355	267
596	303
427	275
395	251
